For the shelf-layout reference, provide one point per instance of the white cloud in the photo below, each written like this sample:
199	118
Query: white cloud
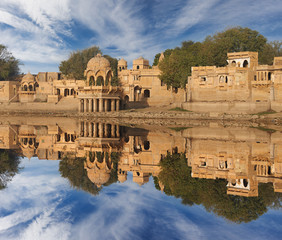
43	31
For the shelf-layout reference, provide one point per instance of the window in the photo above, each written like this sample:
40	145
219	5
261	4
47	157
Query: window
147	93
245	64
146	145
137	67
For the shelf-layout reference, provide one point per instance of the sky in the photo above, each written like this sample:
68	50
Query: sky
39	204
42	33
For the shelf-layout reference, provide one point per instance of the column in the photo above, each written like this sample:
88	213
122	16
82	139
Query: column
79	106
117	105
95	129
87	129
117	131
106	105
95	105
85	105
106	130
112	129
101	107
113	104
101	130
91	105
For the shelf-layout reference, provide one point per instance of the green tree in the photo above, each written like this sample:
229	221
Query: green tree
213	51
114	67
167	53
9	166
176	177
271	50
75	66
73	170
9	65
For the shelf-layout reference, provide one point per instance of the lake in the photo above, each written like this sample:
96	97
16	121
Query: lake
64	178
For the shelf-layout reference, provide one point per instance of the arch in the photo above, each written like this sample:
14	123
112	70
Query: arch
30	87
137	67
72	92
233	64
100	81
126	99
245	64
137	91
25	87
146	93
91	81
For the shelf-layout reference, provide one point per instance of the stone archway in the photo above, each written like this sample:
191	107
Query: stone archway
100	81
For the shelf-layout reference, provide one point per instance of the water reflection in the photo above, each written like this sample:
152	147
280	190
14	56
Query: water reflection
233	172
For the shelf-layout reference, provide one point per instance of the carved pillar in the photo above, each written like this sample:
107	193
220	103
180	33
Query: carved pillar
79	106
113	129
91	105
106	105
117	130
113	105
106	130
117	105
95	129
101	105
85	105
101	130
95	105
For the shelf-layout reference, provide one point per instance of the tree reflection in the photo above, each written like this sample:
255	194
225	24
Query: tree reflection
74	170
9	166
176	178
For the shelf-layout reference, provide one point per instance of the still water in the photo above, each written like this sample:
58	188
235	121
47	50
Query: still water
71	179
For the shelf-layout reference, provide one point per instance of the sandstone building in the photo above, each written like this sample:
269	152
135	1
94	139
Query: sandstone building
242	86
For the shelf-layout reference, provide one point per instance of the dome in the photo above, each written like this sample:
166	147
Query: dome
98	177
122	62
28	78
98	62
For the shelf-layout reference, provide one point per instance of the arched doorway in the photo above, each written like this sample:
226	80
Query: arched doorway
100	81
91	81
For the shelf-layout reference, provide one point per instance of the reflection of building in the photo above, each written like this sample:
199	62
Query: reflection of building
142	152
243	160
245	157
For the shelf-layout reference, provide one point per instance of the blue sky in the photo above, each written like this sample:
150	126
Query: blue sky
39	204
43	33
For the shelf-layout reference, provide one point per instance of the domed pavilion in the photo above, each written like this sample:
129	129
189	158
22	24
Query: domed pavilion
99	95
